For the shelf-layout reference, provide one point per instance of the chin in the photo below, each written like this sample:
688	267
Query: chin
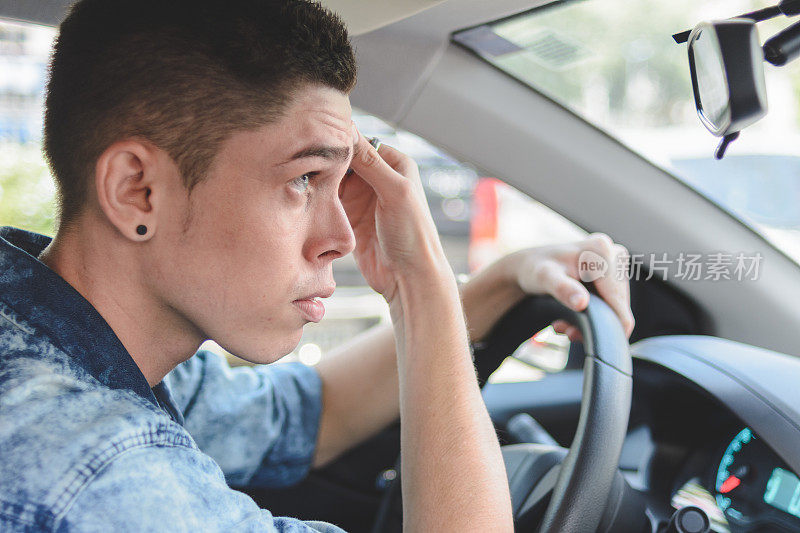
267	349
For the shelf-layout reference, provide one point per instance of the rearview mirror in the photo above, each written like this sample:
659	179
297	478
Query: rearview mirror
726	65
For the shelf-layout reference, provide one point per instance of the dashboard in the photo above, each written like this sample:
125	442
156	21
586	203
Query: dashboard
715	424
742	486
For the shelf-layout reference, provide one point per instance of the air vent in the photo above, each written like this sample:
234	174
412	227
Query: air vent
554	51
543	46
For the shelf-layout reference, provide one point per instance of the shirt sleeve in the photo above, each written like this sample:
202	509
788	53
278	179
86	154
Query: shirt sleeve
175	489
260	424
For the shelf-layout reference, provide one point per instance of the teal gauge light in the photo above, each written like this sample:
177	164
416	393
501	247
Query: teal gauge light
731	472
783	491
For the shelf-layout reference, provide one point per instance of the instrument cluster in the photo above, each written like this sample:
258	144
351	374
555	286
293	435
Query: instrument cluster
746	488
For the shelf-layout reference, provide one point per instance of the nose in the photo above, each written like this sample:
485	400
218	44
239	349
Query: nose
332	234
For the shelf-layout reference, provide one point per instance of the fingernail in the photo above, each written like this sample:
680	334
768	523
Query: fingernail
575	300
355	133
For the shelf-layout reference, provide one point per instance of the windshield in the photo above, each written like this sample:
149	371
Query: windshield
615	64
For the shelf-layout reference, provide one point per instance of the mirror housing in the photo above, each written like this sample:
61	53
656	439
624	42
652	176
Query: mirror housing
726	65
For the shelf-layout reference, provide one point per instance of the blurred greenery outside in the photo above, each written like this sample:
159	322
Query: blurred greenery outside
27	191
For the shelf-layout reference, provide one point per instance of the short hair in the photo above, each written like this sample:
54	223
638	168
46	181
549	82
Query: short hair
181	74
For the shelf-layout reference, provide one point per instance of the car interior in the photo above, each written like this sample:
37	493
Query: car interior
692	426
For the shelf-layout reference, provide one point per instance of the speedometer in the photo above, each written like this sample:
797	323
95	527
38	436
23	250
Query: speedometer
755	489
734	468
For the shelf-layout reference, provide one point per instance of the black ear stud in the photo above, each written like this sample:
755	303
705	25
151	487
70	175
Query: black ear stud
141	229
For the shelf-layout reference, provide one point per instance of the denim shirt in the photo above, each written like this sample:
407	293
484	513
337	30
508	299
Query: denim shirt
87	445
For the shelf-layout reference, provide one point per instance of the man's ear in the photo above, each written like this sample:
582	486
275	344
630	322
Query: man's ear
126	181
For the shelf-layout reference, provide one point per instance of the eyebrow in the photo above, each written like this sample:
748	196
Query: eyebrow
332	153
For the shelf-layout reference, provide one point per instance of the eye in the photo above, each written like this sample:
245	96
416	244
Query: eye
302	183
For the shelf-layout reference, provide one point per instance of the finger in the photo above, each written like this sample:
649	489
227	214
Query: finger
551	278
560	326
565	328
396	159
611	287
357	198
622	282
623	258
370	165
574	334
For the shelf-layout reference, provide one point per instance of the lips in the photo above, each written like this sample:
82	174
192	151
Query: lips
310	307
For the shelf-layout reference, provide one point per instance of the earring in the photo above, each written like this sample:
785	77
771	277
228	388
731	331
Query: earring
141	229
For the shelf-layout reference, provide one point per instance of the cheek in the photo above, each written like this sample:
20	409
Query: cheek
236	247
238	224
256	247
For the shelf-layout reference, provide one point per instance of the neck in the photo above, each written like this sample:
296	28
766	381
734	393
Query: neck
106	269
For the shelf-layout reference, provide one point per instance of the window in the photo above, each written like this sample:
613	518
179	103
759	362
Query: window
26	188
615	64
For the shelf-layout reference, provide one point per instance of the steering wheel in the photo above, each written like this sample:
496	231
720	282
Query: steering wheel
582	481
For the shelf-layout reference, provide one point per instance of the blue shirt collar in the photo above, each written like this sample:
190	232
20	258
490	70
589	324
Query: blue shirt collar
57	310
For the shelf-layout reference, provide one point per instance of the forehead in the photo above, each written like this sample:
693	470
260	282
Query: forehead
316	115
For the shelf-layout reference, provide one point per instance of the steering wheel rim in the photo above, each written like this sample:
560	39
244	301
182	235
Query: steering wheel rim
586	474
580	494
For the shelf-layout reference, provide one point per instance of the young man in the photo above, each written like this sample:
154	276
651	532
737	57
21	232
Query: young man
201	151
